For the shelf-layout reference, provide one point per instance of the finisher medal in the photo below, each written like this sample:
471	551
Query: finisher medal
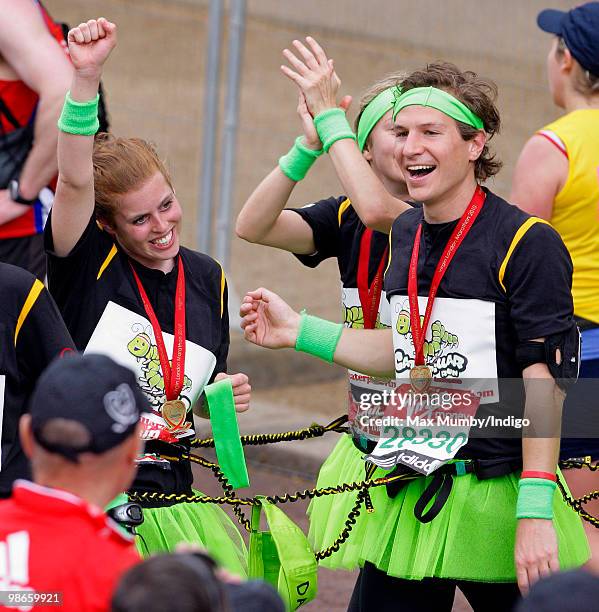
421	378
173	410
174	413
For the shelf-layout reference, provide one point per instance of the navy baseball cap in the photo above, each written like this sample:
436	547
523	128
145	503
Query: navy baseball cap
580	30
92	391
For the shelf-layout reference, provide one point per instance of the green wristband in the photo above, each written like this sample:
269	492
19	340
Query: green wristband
318	337
332	125
535	498
79	118
299	160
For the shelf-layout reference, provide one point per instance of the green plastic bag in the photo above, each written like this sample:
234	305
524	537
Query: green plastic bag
282	556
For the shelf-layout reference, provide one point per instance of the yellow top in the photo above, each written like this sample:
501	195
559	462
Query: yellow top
576	207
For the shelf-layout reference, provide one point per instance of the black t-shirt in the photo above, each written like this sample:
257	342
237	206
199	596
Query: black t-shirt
33	334
521	279
338	231
97	272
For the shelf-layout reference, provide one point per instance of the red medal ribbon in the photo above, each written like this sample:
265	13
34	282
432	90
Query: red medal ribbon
173	374
457	237
370	295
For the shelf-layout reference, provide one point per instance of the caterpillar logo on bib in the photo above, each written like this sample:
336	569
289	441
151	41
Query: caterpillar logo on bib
459	343
128	338
426	429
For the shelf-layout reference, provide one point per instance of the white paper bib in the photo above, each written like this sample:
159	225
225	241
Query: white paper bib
128	338
460	351
459	343
361	385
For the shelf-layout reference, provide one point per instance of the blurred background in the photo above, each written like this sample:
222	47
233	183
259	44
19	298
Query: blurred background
155	85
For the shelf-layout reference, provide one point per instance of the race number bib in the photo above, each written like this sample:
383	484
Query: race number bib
361	386
426	429
459	343
128	338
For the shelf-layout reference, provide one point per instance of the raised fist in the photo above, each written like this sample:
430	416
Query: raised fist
90	45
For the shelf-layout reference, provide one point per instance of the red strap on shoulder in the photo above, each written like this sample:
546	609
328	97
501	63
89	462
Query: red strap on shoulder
556	141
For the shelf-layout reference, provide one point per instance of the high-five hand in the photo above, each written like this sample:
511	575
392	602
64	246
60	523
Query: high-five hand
268	321
314	74
90	45
311	138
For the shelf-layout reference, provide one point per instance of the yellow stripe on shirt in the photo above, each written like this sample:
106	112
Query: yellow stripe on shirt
34	292
342	208
106	262
389	261
222	289
515	240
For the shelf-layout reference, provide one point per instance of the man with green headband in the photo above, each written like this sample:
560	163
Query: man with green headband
332	228
478	507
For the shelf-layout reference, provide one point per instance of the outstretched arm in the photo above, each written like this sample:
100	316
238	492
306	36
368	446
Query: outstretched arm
314	74
90	45
270	322
263	218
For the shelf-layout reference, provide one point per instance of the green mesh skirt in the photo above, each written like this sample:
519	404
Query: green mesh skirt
206	525
472	538
328	513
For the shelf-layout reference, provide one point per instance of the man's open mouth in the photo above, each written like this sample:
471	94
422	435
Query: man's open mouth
420	170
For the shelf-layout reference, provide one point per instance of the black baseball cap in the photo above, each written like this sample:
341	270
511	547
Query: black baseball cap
569	591
93	391
580	30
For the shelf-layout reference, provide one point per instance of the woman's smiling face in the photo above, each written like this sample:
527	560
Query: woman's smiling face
147	221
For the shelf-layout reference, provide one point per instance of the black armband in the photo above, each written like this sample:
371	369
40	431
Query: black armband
561	353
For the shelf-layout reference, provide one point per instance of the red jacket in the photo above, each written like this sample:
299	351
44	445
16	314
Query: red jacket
51	540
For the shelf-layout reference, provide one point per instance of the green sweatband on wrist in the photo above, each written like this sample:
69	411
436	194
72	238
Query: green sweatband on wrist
332	125
535	498
318	337
79	118
296	163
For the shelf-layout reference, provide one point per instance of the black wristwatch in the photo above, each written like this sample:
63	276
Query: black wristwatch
15	194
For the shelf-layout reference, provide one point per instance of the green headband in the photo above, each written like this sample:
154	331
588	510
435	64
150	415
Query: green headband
373	112
442	101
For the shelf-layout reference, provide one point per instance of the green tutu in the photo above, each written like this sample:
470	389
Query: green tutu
204	524
472	538
328	513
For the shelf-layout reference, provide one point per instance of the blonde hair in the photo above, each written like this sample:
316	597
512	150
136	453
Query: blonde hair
584	81
122	165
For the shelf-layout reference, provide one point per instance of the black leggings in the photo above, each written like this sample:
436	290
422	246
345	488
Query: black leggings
377	592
